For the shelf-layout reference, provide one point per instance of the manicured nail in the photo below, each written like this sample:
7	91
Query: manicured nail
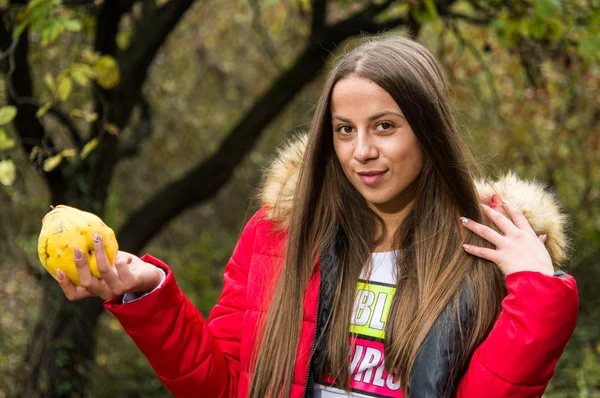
466	247
96	237
59	275
464	220
78	254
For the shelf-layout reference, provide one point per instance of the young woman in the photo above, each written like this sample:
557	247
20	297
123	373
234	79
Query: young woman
369	269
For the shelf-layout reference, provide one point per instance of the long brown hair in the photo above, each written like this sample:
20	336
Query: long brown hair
434	270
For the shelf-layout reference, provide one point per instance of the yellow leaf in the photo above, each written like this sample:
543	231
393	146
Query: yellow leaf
34	152
7	172
82	73
65	85
77	113
7	114
52	162
67	153
42	111
5	141
107	72
89	147
49	81
112	128
90	56
91	117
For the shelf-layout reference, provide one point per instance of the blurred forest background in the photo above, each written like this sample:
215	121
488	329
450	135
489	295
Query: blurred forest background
160	115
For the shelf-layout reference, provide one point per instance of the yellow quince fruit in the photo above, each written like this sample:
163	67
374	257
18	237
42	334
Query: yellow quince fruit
65	227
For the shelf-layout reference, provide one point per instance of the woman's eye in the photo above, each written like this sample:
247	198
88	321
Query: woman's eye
384	126
345	129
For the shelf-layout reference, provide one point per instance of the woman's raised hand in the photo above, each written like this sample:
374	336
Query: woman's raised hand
518	248
128	275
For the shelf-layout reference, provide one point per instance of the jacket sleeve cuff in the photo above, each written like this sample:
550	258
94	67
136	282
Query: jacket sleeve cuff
142	311
132	296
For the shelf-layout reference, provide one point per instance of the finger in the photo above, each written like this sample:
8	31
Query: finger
122	266
71	291
108	273
86	279
483	252
482	230
517	216
543	238
499	220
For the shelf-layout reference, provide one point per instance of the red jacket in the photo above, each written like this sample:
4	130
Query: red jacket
211	358
193	357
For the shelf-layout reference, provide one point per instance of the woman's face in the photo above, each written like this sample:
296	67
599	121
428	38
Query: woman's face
374	143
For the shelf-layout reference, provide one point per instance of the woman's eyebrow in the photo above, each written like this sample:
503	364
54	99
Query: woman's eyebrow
371	118
385	113
343	119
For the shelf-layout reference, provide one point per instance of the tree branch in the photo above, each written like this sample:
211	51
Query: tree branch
318	17
363	20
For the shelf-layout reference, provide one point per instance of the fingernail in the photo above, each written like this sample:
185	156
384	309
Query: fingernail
544	238
464	220
129	260
466	247
78	254
96	237
59	275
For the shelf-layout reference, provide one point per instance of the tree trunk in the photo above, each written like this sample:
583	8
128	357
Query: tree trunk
60	353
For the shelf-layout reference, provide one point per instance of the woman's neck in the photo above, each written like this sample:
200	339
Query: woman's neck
392	222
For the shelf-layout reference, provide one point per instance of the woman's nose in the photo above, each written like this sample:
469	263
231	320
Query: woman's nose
365	148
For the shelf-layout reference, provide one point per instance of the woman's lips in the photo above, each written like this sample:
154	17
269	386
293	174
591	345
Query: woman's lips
371	178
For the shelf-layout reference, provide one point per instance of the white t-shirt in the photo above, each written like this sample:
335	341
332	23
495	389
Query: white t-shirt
368	377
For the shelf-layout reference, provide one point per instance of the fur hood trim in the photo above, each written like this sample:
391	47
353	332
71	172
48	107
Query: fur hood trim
540	207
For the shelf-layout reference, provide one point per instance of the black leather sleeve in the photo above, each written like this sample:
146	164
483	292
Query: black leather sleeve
437	368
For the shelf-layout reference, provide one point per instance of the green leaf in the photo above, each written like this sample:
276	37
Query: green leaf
433	15
7	172
36	3
588	48
556	29
89	147
538	28
545	8
72	25
52	162
19	29
50	31
5	141
7	114
65	86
